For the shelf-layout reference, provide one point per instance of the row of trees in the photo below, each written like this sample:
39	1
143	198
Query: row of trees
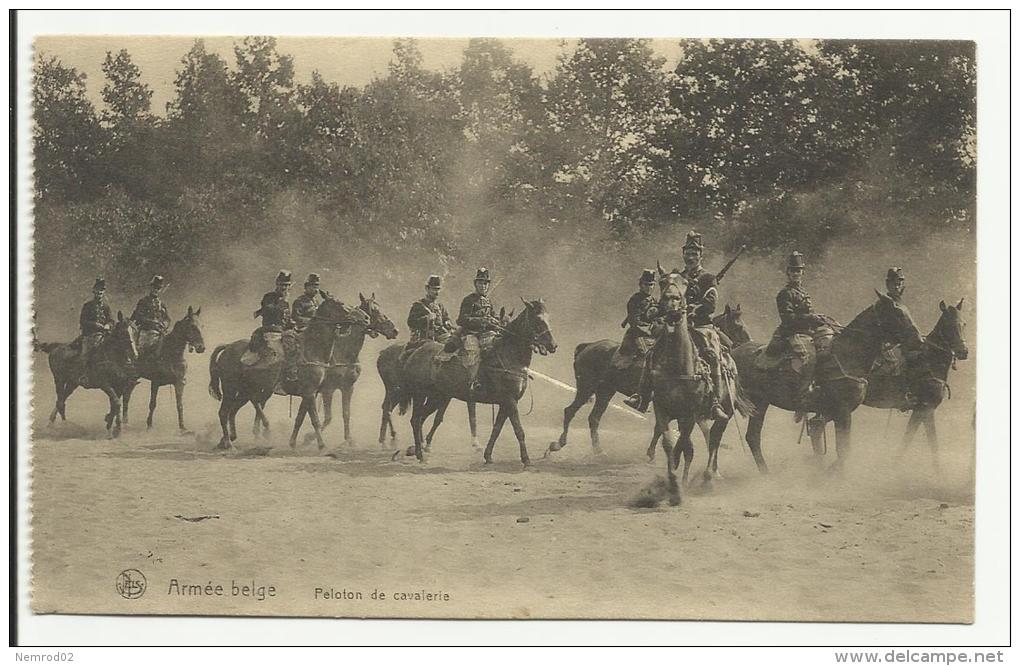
754	141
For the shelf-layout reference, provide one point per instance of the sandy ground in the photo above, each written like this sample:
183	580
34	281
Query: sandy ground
886	541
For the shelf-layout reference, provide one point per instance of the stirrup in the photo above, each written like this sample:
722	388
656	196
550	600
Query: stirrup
637	402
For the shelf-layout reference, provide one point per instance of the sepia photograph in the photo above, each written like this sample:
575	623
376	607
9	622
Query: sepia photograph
630	328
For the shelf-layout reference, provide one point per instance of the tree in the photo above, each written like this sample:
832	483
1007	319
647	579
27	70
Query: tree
67	138
134	158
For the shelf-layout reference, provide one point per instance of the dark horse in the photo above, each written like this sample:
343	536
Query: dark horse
596	374
111	369
344	368
389	367
235	384
841	376
681	390
922	385
164	364
503	376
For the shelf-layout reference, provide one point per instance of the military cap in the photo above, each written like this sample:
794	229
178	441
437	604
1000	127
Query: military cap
796	260
647	276
313	280
895	273
483	275
693	241
157	281
434	281
100	285
283	278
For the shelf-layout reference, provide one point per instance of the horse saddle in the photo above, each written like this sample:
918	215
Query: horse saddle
795	351
148	340
265	349
891	362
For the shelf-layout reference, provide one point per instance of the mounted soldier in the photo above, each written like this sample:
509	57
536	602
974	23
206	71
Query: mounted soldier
275	340
151	316
642	313
894	358
307	303
428	319
95	321
802	333
701	296
478	323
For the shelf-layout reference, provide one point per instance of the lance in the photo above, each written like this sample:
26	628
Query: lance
535	374
721	274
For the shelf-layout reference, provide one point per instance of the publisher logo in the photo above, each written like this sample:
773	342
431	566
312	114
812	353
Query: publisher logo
131	583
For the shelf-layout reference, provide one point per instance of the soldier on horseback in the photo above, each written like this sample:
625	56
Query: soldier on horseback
478	322
799	327
894	358
96	320
428	319
151	315
701	296
306	304
277	325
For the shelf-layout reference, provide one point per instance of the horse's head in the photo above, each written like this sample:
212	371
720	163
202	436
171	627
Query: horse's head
950	328
124	338
190	328
894	323
532	324
731	322
378	322
671	296
333	312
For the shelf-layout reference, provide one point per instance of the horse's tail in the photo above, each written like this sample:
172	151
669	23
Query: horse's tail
214	373
44	347
741	400
402	400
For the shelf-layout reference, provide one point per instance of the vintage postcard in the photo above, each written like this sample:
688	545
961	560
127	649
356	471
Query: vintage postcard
594	328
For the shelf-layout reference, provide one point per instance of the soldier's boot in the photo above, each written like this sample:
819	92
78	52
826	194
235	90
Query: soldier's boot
804	402
643	397
86	357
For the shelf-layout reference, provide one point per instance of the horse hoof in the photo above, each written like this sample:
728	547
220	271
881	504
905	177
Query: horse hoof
395	455
674	499
488	460
526	463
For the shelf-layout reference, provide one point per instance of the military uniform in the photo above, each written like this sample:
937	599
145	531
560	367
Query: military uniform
641	309
477	322
151	314
275	312
428	320
306	304
476	314
276	318
95	321
701	295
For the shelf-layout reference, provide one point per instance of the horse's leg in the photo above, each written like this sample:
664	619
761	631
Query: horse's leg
153	393
496	427
417	419
69	388
933	440
843	422
298	420
715	436
126	399
327	407
908	436
58	404
113	416
313	414
656	436
514	413
386	407
753	436
238	403
662	427
224	413
581	398
686	446
346	392
473	424
260	414
437	420
602	398
179	398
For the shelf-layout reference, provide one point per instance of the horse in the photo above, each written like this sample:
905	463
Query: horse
841	375
502	377
111	369
164	364
596	374
923	384
681	389
389	366
235	384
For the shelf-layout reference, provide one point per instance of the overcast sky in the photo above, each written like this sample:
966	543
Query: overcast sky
348	61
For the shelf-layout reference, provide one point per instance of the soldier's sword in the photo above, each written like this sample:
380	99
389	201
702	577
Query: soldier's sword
721	274
535	374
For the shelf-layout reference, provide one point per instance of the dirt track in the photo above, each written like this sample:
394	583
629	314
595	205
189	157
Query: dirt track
886	541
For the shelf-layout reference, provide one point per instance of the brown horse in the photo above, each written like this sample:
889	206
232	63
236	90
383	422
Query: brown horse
841	375
502	376
111	369
235	384
344	368
164	364
922	385
681	390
